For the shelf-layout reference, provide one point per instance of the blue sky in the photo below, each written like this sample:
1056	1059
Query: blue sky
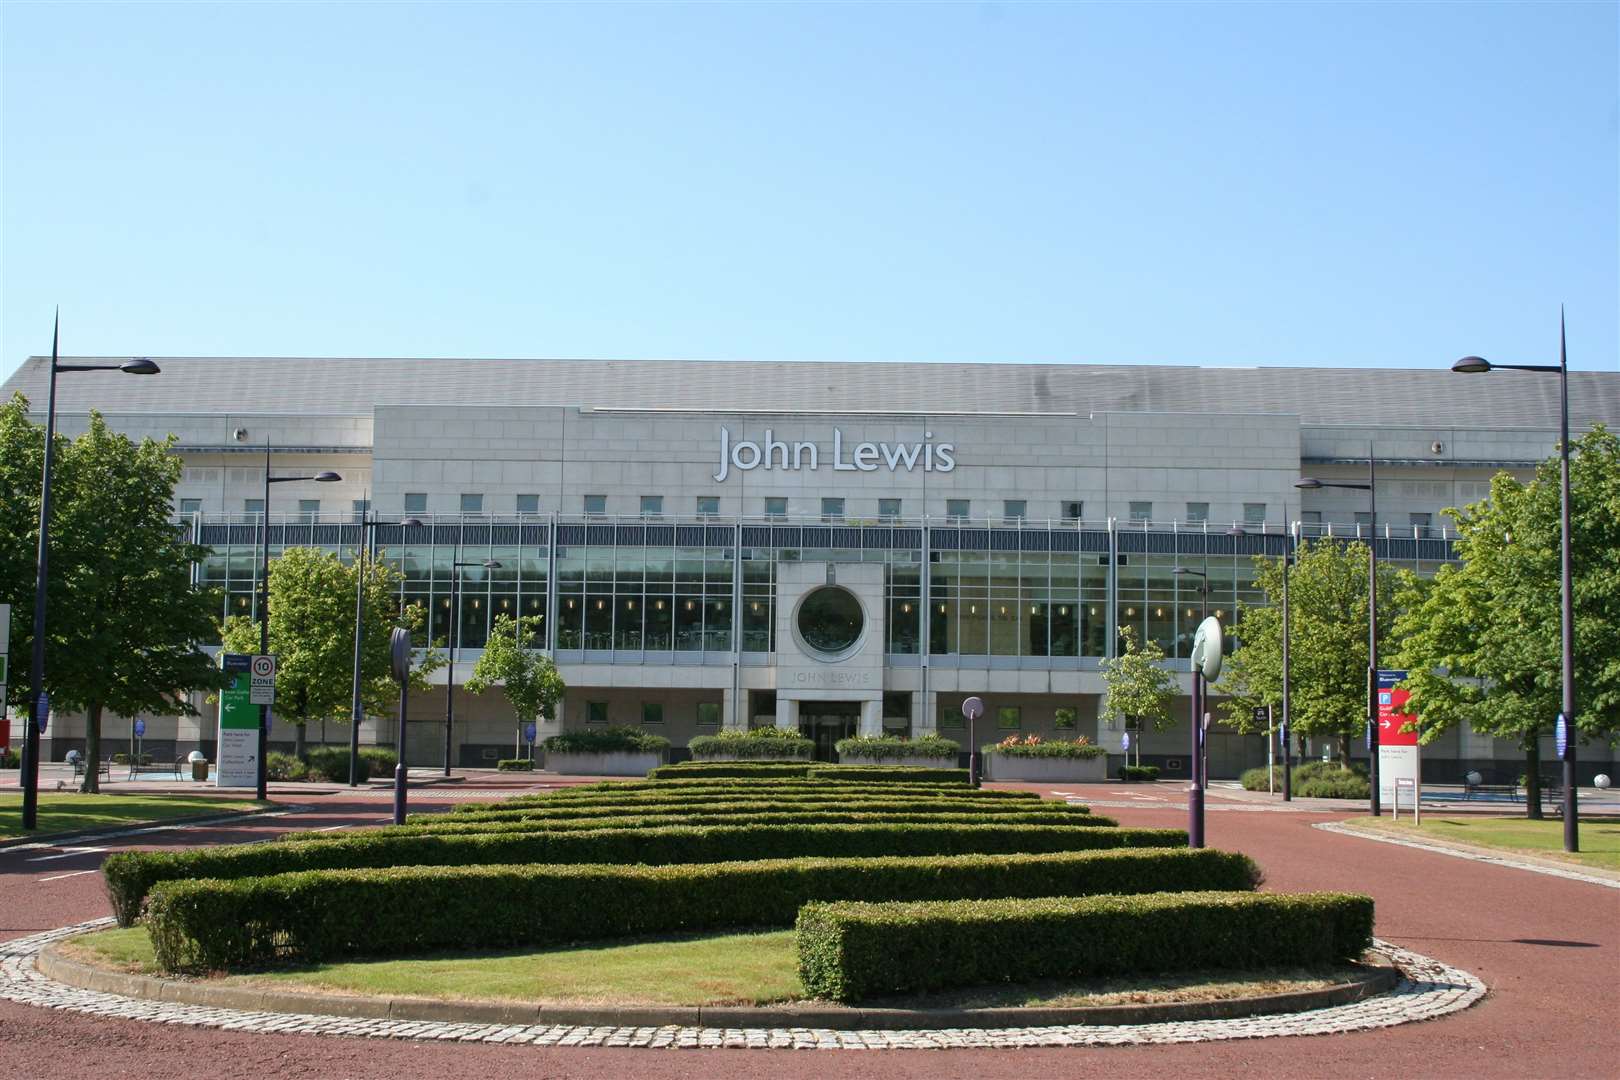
1378	185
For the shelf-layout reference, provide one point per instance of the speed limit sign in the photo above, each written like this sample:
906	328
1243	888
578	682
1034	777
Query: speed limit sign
262	684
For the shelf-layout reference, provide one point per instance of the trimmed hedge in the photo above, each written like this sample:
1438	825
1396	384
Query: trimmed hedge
446	825
515	764
764	743
1035	746
279	766
607	740
130	875
882	747
331	764
747	806
685	789
732	769
851	951
1255	779
1133	773
382	761
213	925
906	773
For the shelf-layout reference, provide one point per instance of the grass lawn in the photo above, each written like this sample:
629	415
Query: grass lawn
70	812
1600	836
734	969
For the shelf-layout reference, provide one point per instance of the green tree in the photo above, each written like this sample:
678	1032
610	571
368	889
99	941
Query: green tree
1483	642
529	679
1137	682
125	620
1327	600
312	636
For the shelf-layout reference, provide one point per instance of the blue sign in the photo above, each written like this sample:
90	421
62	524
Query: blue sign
234	662
1561	735
140	728
1126	739
42	711
528	733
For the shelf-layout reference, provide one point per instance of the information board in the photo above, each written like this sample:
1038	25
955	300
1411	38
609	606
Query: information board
238	725
1399	756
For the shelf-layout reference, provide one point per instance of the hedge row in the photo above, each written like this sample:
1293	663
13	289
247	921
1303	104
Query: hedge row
739	769
732	789
680	782
214	925
446	825
1135	773
808	770
130	875
851	951
876	748
890	772
755	804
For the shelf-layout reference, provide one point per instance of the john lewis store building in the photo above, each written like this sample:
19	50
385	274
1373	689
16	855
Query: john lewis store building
834	548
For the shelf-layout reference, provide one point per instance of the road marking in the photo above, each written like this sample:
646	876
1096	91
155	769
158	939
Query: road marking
59	877
67	851
332	828
206	823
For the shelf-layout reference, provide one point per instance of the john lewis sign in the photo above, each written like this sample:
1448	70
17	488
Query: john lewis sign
772	453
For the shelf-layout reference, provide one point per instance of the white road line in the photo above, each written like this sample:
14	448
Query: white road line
65	852
332	828
59	877
207	823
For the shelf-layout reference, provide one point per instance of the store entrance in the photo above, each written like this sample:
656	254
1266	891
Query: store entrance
826	722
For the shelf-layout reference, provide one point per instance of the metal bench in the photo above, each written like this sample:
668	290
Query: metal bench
1510	790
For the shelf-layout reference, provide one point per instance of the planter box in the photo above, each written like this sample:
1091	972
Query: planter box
1043	769
913	761
619	763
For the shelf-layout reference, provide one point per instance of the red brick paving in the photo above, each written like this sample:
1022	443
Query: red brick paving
1548	948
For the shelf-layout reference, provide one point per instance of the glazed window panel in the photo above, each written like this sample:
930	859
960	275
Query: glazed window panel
1009	718
1064	718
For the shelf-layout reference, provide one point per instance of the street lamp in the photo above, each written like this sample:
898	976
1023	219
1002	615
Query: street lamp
38	706
1200	777
367	524
1288	751
451	638
1475	364
264	591
1370	487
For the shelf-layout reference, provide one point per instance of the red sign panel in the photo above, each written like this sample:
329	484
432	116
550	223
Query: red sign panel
1390	722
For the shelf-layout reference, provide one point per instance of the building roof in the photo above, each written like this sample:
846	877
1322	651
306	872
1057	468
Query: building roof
353	386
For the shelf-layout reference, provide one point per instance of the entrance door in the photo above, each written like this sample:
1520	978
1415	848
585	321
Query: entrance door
828	721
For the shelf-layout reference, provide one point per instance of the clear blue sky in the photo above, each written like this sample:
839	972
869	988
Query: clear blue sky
1379	184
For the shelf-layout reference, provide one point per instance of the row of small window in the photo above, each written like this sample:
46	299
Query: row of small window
1008	718
652	713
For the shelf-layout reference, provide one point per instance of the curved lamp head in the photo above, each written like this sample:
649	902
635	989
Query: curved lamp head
326	478
492	564
139	366
1237	530
411	523
1310	483
1470	365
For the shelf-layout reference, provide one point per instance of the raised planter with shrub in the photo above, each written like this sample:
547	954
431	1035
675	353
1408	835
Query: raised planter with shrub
1314	780
851	951
927	751
331	765
1029	757
131	874
1138	773
517	764
757	744
216	925
610	751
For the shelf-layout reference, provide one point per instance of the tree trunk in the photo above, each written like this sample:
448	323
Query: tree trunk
299	743
1344	749
1532	776
92	750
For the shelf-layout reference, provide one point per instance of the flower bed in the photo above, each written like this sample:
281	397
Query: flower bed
1029	757
924	752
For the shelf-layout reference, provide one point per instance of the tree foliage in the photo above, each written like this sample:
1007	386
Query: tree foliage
1327	600
125	621
528	678
312	595
1483	641
1137	682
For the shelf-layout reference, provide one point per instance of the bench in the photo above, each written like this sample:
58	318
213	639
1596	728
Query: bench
1552	791
103	769
1510	790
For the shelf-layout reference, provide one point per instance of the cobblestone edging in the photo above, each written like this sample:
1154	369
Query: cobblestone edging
1457	852
1427	989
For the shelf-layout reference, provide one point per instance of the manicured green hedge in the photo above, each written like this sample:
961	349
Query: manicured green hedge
331	764
382	761
519	764
130	875
897	773
762	743
850	951
214	925
607	740
894	747
279	766
748	806
740	770
1035	746
450	825
728	788
1139	772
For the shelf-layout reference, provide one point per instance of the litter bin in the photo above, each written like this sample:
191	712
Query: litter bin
199	770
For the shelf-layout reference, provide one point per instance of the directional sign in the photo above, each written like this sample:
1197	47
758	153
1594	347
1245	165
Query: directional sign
238	725
262	688
1399	752
528	732
1561	736
42	711
1126	740
140	729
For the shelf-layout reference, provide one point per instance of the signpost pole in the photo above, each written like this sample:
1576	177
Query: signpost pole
972	709
1195	792
399	647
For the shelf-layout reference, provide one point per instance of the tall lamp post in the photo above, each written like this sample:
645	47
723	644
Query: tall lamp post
1370	487
1198	778
1566	609
38	707
1288	752
451	638
264	590
368	524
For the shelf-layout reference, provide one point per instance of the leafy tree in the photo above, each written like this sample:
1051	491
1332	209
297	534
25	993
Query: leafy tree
1327	601
1138	683
529	679
1483	643
125	619
312	636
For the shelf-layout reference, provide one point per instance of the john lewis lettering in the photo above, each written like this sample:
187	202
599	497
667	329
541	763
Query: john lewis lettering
773	453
